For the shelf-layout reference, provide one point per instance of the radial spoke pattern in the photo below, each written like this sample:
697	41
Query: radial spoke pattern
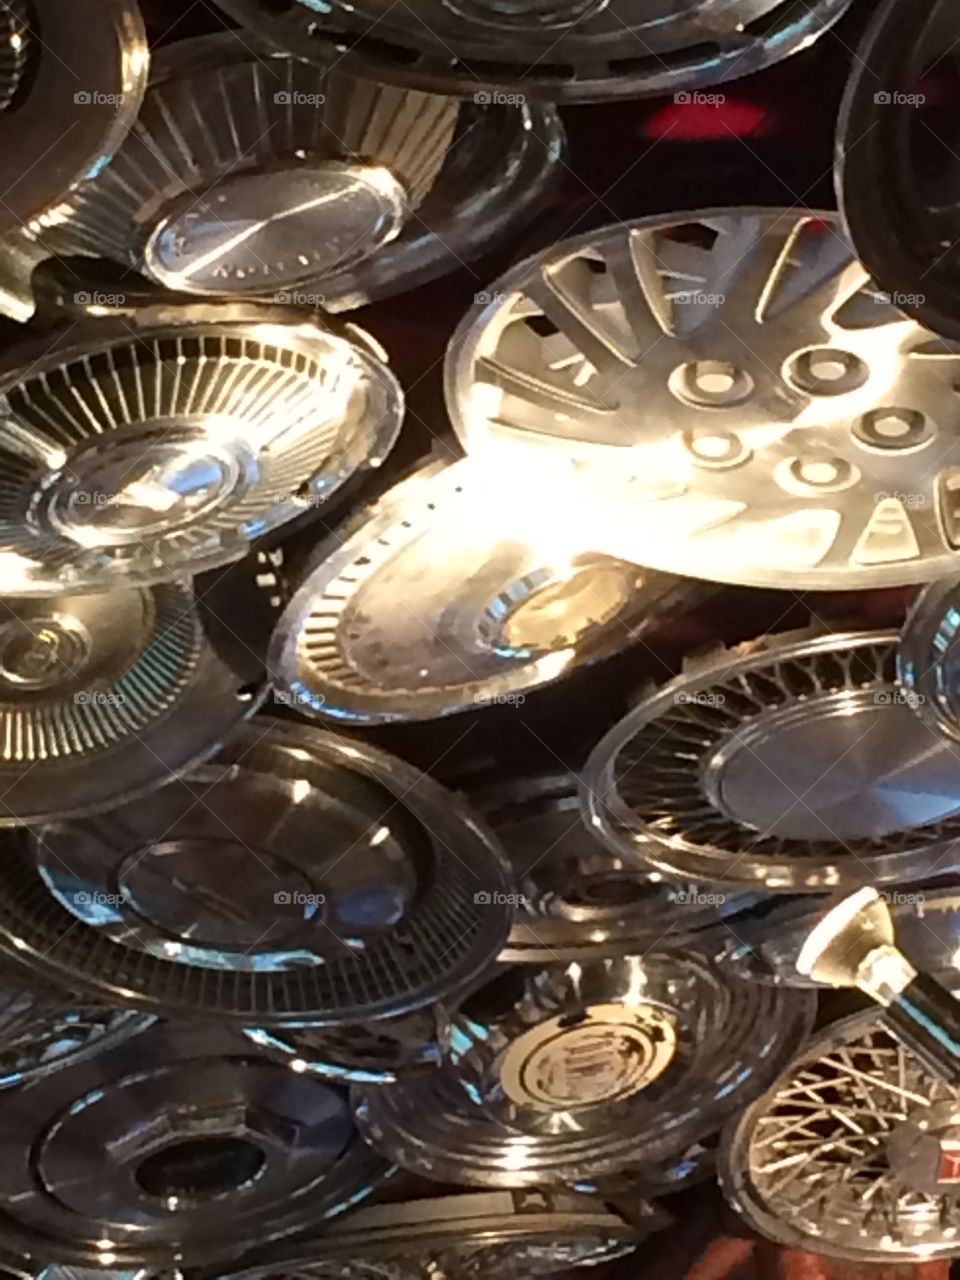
818	1148
686	780
151	457
754	408
40	730
217	111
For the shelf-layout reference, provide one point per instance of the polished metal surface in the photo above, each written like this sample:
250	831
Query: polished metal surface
234	237
579	901
587	1070
896	166
498	598
765	944
794	763
573	50
162	442
928	658
46	1030
296	880
17	47
180	1147
852	1153
497	1233
79	75
106	697
363	1053
741	404
254	172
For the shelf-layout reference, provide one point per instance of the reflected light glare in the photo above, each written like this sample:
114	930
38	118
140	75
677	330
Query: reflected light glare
301	789
515	1158
298	1065
554	664
378	837
482	405
14	569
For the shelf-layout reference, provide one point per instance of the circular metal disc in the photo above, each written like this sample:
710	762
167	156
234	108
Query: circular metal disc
479	1234
897	170
795	763
45	1031
579	900
365	1053
162	443
573	50
182	1146
106	697
72	103
492	607
740	402
596	1093
928	660
852	1153
284	179
216	898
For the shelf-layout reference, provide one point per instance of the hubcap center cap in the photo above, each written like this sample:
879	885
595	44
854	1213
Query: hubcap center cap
609	1053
